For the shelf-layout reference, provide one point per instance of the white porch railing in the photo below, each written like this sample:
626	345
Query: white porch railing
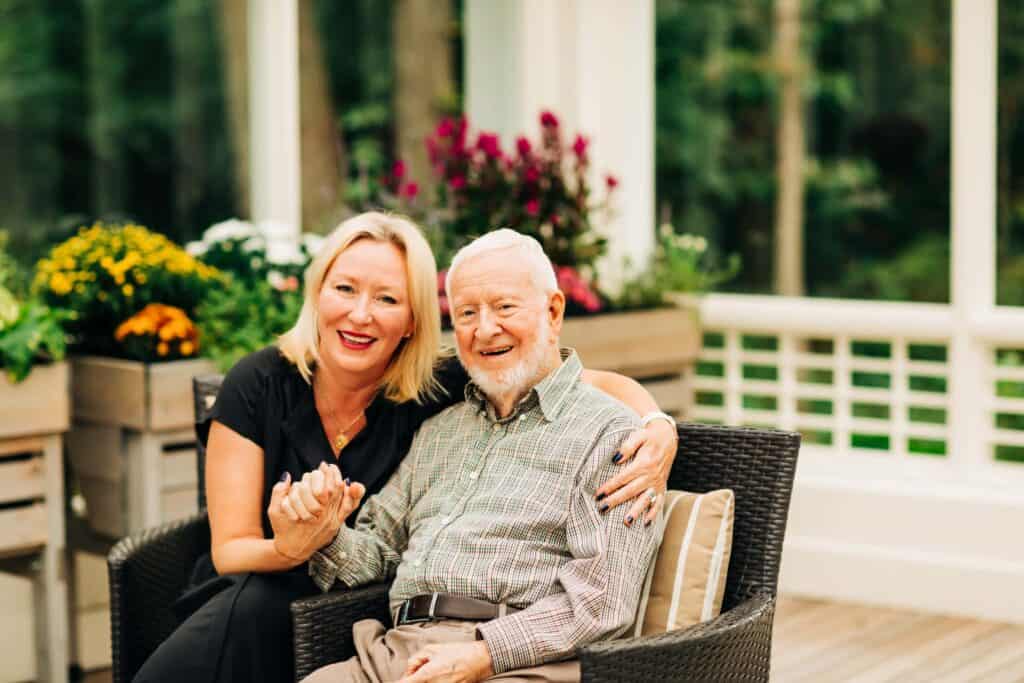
887	508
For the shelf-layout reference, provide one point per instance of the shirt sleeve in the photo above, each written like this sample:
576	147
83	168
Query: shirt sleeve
241	399
372	549
600	585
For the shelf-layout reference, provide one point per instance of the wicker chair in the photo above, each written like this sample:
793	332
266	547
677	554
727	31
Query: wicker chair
149	570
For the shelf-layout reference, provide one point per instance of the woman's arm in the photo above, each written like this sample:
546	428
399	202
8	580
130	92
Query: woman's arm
234	485
649	452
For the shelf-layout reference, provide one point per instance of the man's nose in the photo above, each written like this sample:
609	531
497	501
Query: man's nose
487	325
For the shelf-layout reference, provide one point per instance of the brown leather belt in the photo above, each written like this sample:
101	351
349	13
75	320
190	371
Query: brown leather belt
444	606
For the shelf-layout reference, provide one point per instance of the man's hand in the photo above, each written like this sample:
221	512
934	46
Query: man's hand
450	663
306	515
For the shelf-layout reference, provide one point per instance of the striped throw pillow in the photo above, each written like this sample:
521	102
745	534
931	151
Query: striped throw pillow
686	580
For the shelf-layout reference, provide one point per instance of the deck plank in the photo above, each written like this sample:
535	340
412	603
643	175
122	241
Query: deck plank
817	640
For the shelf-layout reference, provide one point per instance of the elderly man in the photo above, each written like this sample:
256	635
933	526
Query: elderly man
504	562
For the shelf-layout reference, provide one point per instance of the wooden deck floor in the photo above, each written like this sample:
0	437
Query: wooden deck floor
818	640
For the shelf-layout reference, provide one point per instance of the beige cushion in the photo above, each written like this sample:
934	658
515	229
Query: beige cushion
686	581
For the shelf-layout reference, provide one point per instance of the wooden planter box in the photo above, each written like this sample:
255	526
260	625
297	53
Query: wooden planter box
656	348
35	414
132	445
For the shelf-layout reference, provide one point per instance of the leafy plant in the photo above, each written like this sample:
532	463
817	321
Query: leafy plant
681	264
33	334
243	317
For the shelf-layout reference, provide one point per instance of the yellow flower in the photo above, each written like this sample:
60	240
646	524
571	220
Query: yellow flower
162	348
128	290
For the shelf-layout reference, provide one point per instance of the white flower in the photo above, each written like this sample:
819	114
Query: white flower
283	253
196	248
229	230
256	243
312	242
700	244
666	229
685	241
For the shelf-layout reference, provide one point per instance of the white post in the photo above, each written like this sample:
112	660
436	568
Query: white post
592	63
274	116
973	262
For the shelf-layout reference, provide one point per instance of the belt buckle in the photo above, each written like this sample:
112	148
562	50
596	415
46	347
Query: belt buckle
403	612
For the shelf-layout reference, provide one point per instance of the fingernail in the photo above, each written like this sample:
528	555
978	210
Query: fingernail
604	508
347	481
600	496
629	519
617	457
284	477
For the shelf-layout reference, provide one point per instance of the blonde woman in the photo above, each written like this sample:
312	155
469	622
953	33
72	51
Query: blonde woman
336	403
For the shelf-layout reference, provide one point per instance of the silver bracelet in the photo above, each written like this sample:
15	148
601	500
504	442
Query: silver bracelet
657	415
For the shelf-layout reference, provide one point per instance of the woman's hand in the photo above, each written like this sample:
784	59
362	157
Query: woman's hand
306	516
648	455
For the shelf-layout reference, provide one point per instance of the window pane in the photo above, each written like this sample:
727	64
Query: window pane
874	79
109	112
1010	193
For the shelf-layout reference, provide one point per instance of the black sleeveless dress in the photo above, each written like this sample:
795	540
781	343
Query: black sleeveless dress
238	627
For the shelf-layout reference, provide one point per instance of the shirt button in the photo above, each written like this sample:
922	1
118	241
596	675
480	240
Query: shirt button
342	556
522	417
473	475
496	426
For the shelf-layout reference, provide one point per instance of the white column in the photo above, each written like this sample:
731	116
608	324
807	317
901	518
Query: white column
274	116
973	262
591	62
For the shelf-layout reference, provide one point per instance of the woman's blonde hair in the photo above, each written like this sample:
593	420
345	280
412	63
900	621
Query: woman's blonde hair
410	375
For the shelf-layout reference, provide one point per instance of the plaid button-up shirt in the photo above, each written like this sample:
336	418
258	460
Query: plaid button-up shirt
503	510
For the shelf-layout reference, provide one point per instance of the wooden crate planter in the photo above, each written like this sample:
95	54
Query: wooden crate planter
35	413
656	348
132	444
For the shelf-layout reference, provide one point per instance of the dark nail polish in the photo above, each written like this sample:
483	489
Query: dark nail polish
284	477
600	496
629	520
616	458
348	481
604	508
647	522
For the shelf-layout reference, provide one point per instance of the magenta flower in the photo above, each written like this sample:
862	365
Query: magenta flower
523	146
611	181
457	182
579	146
445	128
548	120
398	170
489	144
532	174
410	190
533	207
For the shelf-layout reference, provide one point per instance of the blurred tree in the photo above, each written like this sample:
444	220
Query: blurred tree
234	30
789	205
424	84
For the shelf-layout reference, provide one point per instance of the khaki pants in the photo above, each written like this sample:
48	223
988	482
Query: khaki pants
382	654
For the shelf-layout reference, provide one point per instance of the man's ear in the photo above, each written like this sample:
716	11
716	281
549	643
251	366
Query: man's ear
556	311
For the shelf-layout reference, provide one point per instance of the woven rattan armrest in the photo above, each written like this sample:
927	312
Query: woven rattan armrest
736	646
148	572
323	624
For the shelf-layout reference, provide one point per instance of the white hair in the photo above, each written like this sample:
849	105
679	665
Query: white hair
541	272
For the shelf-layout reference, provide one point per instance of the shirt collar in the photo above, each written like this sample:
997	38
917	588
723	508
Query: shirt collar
550	392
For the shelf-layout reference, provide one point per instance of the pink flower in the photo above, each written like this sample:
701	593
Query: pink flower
489	144
523	146
533	207
457	182
611	181
410	190
579	146
398	169
548	120
445	128
532	174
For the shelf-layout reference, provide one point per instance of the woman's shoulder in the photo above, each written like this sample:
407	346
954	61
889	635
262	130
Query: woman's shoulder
260	367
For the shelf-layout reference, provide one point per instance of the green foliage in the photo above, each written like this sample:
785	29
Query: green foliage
34	334
244	317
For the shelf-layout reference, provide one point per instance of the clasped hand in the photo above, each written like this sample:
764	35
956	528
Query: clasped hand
306	515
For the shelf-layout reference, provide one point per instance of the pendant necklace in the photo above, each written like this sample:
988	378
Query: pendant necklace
341	438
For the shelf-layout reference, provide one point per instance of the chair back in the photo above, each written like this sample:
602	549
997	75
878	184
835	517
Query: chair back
758	465
204	394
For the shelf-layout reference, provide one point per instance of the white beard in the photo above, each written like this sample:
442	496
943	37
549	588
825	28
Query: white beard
517	380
